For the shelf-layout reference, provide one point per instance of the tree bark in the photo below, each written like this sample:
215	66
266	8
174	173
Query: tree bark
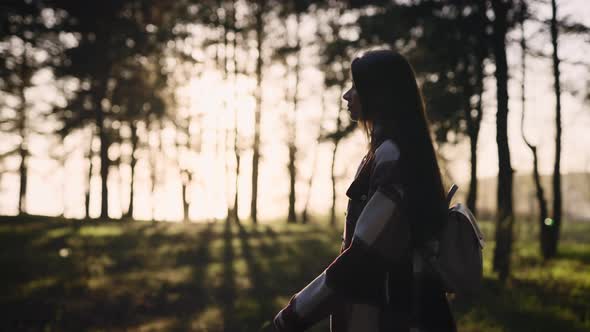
258	111
104	151
89	183
474	113
305	213
557	200
539	193
186	180
292	166
154	170
337	139
473	126
134	142
224	22
505	218
235	206
333	178
22	127
186	174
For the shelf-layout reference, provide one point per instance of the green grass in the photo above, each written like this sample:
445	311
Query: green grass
142	276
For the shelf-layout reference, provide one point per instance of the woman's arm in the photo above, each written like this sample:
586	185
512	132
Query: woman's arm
357	274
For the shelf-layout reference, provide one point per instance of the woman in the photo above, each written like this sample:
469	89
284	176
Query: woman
396	204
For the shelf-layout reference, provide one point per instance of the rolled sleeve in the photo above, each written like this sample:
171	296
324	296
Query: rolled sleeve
385	175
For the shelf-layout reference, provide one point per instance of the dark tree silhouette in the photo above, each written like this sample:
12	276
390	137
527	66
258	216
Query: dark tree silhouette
111	34
552	232
26	35
505	215
539	193
259	15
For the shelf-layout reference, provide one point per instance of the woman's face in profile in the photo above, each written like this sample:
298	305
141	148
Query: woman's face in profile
354	104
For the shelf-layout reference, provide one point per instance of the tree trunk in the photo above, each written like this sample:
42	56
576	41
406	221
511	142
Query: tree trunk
134	142
23	167
292	216
333	178
226	29
474	113
22	126
539	193
257	112
104	153
505	218
185	172
237	178
186	180
63	163
545	233
555	224
292	167
305	213
154	168
236	117
473	133
472	194
89	184
337	139
473	126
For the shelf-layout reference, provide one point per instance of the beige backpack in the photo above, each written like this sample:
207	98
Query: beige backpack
456	256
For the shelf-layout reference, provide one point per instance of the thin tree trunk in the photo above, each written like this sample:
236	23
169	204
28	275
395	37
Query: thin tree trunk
225	106
104	152
557	200
235	206
134	142
185	174
22	126
186	180
292	167
23	167
473	125
505	218
540	195
474	120
472	133
154	169
333	178
305	213
237	178
258	111
333	164
472	194
63	164
89	183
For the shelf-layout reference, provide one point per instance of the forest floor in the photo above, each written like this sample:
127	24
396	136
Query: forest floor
145	276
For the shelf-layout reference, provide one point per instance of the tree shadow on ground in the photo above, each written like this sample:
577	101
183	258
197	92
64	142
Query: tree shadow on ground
527	306
138	276
93	277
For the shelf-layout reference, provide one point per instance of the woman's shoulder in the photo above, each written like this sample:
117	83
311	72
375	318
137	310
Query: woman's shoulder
386	175
387	152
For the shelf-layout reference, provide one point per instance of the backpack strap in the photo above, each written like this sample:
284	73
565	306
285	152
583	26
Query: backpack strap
451	193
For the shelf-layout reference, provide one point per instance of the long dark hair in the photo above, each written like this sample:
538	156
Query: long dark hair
392	107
